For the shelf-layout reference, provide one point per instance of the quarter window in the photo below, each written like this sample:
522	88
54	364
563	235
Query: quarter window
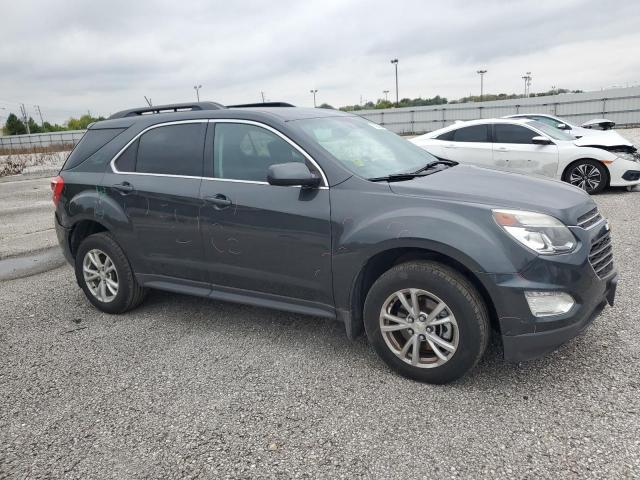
507	133
169	150
245	152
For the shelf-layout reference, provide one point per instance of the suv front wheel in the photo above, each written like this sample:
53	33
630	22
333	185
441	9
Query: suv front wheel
426	321
105	275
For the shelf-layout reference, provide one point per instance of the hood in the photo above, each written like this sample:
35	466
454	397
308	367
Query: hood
466	183
603	139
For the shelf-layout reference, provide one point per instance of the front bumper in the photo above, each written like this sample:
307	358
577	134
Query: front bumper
619	173
525	336
527	346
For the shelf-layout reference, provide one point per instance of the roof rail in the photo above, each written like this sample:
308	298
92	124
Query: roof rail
174	107
261	104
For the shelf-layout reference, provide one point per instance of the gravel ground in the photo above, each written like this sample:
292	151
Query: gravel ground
185	387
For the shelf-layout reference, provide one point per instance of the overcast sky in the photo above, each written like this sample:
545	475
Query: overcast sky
77	55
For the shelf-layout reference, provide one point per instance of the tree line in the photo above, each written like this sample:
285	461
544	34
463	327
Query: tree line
16	126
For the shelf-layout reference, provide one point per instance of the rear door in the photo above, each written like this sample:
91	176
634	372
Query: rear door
259	237
514	150
470	145
157	182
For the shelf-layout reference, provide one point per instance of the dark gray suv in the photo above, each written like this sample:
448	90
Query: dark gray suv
324	213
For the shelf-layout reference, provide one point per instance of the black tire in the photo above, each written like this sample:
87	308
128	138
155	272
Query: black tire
462	300
580	173
129	294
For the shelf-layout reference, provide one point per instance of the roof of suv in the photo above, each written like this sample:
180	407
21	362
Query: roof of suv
177	112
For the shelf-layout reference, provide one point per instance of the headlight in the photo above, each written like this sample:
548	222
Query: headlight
632	156
541	233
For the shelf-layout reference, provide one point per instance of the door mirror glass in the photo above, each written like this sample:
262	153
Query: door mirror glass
563	126
540	140
292	174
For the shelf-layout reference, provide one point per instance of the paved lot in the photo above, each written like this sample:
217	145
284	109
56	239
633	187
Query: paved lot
185	387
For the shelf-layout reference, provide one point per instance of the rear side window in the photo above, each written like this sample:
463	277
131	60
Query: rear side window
168	150
506	133
474	133
447	136
90	143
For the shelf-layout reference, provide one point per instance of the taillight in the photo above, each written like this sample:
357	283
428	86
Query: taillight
57	184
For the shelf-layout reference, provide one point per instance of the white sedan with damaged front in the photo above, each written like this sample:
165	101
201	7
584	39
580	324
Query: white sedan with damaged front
530	147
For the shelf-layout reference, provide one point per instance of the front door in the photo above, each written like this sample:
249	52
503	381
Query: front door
157	183
259	237
514	150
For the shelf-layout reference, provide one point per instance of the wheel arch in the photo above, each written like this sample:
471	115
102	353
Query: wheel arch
386	259
81	230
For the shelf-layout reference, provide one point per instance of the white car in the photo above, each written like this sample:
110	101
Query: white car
530	147
598	130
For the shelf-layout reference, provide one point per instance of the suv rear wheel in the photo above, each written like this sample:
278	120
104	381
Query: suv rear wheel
426	321
104	274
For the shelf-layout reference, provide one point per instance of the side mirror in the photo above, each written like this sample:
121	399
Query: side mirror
292	174
540	140
563	126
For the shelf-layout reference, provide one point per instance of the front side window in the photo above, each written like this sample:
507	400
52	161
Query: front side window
508	133
245	152
364	148
551	131
169	150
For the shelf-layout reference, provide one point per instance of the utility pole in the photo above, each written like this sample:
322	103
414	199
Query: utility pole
262	93
395	62
148	100
481	73
386	95
37	107
23	111
197	89
314	91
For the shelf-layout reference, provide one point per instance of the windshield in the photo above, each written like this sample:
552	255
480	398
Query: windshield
552	132
366	149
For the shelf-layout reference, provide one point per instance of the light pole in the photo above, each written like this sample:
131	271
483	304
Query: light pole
395	62
314	91
197	89
481	73
386	95
527	83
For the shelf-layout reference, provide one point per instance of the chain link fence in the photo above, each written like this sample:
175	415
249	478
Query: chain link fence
40	142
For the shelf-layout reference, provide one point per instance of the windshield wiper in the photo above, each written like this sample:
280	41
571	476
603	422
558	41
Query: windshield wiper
421	172
435	163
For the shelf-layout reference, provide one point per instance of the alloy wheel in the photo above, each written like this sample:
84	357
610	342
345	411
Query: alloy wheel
419	328
586	177
100	275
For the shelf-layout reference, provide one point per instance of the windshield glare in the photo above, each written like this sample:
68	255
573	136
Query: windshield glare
553	132
366	149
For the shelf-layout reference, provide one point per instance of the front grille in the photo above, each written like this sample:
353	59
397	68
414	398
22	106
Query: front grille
601	255
589	219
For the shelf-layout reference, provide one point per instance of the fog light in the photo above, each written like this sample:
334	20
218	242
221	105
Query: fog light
544	304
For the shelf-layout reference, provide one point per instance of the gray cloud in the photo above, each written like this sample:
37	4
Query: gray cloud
104	56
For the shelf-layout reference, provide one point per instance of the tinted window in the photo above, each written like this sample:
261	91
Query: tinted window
126	162
245	152
474	133
172	150
90	143
448	136
506	133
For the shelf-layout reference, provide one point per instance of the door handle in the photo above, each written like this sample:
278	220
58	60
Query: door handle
219	201
503	149
124	187
451	145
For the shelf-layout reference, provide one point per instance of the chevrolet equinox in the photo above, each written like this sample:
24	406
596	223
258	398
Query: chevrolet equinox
324	213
